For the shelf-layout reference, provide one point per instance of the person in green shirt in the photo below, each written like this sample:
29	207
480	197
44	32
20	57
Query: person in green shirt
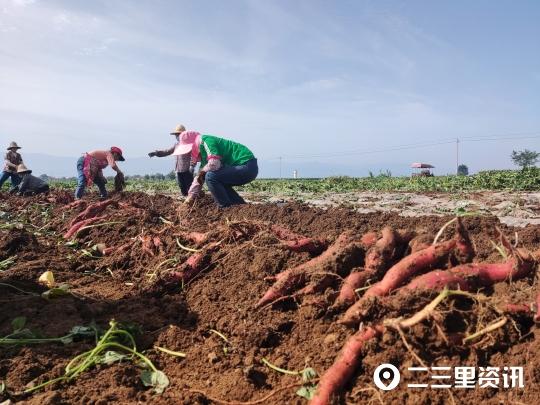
224	164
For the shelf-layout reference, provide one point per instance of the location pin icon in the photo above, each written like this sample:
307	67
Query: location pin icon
386	377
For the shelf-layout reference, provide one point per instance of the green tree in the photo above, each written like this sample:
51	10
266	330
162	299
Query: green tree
525	158
463	170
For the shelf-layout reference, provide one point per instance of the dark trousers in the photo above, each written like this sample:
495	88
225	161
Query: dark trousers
221	182
14	178
184	180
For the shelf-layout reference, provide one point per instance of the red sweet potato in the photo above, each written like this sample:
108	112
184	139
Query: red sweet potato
378	259
309	245
339	257
93	210
399	273
72	231
464	247
298	243
348	360
369	239
475	275
75	204
355	280
198	238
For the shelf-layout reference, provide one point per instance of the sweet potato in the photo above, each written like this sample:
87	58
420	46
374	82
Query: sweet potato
72	231
92	210
398	274
198	238
464	247
75	204
309	245
347	293
344	366
298	243
378	259
369	239
339	257
474	275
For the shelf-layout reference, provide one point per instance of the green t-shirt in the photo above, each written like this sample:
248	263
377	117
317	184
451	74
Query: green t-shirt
231	153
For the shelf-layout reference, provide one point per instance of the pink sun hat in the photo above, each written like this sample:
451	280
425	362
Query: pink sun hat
186	142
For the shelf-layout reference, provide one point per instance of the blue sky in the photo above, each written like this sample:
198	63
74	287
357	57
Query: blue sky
306	80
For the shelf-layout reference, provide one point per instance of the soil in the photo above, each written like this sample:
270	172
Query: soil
134	285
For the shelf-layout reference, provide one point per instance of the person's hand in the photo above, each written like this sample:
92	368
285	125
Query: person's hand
152	154
200	177
189	200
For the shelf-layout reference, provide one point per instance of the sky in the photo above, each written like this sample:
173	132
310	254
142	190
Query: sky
333	87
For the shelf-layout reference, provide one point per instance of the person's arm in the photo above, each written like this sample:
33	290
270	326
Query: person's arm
8	163
112	163
162	153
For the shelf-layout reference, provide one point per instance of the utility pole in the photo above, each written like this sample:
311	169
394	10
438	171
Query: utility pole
280	167
457	155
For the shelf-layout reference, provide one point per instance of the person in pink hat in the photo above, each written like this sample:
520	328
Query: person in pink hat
224	164
90	169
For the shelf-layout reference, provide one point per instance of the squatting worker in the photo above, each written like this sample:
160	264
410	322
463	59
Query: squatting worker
11	161
184	168
90	169
224	164
30	184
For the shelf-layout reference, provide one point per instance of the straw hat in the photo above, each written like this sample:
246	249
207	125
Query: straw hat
13	145
178	129
22	169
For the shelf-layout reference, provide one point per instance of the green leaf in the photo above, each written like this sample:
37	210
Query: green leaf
56	292
307	391
308	374
18	323
82	331
66	340
156	379
2	387
111	357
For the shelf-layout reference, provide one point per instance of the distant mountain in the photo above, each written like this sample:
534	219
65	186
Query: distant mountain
61	166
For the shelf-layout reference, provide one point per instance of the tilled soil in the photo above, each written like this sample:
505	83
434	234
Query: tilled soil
133	286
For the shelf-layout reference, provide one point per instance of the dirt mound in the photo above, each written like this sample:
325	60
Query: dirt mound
188	280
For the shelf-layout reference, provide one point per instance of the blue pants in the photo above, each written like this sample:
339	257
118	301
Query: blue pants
221	181
14	178
81	181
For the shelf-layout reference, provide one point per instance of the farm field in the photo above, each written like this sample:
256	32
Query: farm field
203	310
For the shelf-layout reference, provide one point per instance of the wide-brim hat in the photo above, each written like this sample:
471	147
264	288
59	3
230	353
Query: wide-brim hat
13	145
178	129
22	169
185	144
118	151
